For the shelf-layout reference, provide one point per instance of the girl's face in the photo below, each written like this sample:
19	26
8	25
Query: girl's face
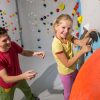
63	29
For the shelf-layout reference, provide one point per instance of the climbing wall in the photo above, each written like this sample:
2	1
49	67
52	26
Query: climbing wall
36	17
91	19
9	19
86	85
39	16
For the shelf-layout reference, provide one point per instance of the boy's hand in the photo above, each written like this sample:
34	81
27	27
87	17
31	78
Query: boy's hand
40	54
28	75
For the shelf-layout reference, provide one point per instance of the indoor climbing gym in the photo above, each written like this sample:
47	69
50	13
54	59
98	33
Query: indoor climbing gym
49	49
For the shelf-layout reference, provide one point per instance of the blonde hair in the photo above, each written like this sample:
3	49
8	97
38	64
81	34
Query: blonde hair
61	17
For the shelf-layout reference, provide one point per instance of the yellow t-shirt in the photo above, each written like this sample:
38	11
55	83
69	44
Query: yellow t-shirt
58	46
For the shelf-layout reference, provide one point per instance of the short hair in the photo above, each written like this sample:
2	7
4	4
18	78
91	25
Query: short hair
3	31
62	17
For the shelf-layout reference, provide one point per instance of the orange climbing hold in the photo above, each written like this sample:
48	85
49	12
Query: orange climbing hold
87	82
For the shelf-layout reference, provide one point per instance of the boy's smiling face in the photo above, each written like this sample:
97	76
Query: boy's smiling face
5	42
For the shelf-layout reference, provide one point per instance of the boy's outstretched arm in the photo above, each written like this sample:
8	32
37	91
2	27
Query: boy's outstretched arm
29	53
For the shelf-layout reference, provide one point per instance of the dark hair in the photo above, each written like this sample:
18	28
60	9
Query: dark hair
2	31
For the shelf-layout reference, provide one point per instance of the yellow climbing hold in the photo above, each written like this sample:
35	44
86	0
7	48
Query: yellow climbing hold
80	19
62	6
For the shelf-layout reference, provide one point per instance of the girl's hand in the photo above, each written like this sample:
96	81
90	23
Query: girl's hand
86	48
88	33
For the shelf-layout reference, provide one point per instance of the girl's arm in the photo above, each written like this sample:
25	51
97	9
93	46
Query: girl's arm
85	40
69	62
81	42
